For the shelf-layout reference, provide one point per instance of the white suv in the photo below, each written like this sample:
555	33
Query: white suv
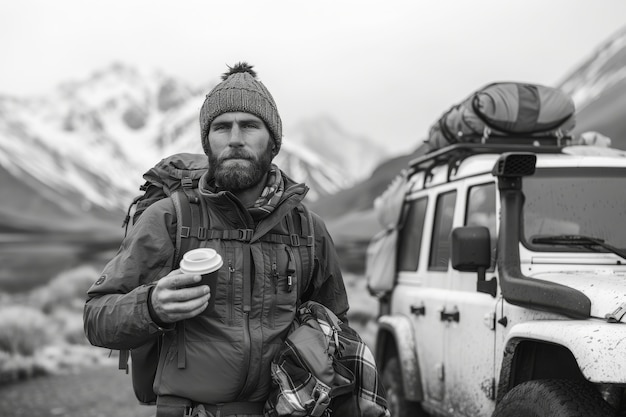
510	287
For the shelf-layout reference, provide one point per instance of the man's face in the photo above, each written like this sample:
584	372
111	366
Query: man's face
240	150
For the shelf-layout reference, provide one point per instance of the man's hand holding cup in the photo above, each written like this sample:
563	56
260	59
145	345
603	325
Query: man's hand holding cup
186	292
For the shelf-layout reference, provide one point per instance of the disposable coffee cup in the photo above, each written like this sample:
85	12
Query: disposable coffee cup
205	262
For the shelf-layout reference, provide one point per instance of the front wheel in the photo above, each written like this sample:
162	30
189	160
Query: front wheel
398	405
553	398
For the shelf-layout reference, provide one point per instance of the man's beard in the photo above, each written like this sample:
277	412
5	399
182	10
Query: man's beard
237	175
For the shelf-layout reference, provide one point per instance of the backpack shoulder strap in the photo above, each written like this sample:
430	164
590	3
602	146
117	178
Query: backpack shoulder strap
307	218
189	209
307	250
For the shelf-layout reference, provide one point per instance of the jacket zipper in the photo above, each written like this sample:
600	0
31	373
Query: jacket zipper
247	345
274	279
231	270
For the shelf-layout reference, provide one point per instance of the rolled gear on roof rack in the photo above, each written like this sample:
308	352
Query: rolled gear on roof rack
518	112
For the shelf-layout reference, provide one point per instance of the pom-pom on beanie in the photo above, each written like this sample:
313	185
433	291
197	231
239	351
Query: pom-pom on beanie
240	91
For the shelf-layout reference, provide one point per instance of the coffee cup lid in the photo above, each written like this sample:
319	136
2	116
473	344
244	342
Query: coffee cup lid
201	261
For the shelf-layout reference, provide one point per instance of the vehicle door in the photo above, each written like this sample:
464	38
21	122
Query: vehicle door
418	297
429	287
437	278
470	315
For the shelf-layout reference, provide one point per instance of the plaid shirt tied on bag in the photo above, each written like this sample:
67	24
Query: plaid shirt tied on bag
324	369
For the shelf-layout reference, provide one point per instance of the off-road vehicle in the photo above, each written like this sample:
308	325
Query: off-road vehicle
509	297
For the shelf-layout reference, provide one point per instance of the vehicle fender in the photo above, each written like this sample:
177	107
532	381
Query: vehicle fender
598	347
399	329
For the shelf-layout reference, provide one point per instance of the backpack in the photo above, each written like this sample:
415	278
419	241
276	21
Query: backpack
324	368
526	112
380	261
177	177
178	172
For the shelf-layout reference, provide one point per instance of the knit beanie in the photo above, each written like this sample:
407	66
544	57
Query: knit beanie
240	91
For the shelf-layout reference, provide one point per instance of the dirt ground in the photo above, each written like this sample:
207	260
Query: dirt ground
93	392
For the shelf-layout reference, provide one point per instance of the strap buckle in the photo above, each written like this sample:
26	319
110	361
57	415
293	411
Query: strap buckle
185	231
186	182
295	240
245	235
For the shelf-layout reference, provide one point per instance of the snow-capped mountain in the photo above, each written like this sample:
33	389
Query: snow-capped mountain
598	87
355	153
600	71
81	152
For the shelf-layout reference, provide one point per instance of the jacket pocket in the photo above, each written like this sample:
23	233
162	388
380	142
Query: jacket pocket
285	290
228	294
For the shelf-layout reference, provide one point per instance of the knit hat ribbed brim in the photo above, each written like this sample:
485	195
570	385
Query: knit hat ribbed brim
240	91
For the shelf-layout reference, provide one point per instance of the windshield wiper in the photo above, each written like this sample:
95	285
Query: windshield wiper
578	240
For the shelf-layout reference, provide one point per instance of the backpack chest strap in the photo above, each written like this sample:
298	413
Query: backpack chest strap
245	235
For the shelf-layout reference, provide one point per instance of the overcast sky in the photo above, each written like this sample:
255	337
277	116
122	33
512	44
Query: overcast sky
384	69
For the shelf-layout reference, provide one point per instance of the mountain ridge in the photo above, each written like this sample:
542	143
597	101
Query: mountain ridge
598	87
80	152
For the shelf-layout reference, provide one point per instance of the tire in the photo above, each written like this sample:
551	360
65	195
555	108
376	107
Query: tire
553	398
398	405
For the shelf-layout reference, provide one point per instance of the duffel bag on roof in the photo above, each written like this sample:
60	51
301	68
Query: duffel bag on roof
505	109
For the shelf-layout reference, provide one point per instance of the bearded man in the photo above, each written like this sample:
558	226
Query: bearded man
219	360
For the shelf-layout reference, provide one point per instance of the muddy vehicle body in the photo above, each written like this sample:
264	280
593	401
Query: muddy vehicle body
509	297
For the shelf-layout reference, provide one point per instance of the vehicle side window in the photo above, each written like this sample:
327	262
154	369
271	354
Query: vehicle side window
440	247
410	238
481	211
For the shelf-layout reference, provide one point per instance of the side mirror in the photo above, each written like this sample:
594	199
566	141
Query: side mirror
471	252
471	248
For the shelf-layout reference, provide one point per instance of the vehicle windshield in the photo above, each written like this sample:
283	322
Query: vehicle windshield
575	210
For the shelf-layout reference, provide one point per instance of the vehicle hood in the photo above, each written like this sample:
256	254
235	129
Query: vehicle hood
605	288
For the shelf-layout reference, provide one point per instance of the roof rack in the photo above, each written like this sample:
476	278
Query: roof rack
454	154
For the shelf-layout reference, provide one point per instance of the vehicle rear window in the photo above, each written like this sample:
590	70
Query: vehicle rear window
440	247
410	239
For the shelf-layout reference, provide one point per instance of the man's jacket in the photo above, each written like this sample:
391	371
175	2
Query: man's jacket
227	352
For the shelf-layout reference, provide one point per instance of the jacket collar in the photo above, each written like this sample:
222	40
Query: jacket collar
280	192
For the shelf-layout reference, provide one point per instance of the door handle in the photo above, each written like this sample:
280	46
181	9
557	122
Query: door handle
453	315
418	310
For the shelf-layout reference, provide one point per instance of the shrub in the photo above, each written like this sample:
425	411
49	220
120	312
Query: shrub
64	358
23	330
69	326
41	331
16	367
68	289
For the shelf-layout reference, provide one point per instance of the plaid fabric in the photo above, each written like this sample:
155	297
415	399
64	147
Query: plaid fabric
271	194
324	369
268	200
369	393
